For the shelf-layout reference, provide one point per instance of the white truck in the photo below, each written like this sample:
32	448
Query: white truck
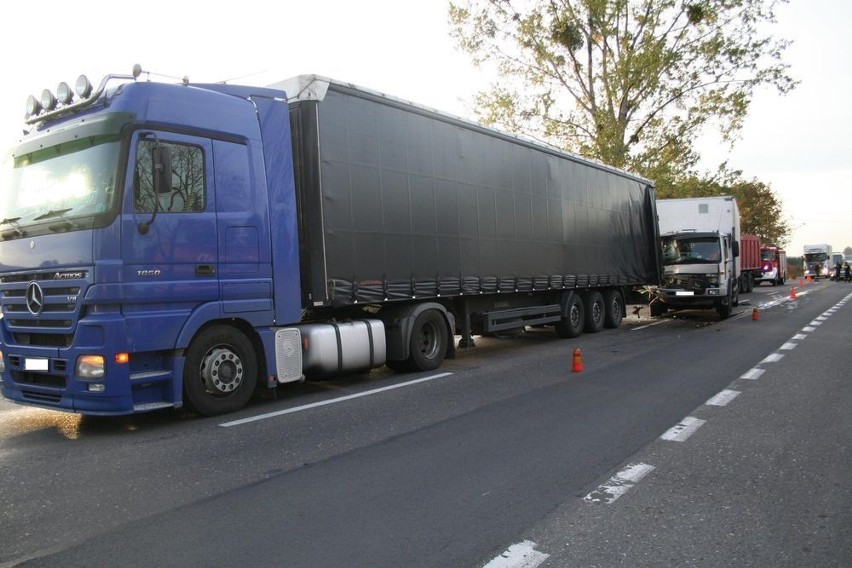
700	250
817	261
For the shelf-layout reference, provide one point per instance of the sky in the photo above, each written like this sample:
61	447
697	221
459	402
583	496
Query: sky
799	143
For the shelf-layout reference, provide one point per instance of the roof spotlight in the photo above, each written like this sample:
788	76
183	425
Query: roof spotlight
48	100
83	87
63	93
33	106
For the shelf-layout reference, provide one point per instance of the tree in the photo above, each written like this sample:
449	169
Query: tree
629	82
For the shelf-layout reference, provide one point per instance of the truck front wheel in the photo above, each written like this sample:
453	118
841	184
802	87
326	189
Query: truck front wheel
220	372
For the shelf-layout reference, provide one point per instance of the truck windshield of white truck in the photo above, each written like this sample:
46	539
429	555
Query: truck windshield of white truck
691	250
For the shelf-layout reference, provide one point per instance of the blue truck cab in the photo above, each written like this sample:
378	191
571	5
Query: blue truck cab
135	222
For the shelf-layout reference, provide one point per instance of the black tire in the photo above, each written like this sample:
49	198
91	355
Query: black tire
724	310
614	309
220	372
428	344
595	312
572	325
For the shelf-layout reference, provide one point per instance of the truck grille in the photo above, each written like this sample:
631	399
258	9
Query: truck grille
42	308
694	282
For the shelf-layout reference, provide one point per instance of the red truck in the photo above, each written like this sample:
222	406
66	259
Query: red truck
773	262
750	265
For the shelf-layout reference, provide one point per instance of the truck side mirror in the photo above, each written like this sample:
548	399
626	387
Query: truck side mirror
161	162
736	248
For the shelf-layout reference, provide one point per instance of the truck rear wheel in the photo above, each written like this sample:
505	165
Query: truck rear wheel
572	324
614	309
220	371
428	341
595	312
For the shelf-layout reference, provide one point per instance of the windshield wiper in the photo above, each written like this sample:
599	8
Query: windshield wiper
16	230
52	213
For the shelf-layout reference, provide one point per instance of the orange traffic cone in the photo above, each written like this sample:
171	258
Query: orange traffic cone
801	282
755	314
793	293
578	361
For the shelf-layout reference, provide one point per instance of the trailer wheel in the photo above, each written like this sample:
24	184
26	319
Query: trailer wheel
572	325
614	309
220	372
428	341
595	312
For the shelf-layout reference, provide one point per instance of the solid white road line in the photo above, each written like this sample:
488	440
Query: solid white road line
331	401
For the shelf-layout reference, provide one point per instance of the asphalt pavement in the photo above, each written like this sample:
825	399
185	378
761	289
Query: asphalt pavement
757	476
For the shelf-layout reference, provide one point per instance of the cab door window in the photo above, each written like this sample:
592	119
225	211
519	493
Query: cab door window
188	189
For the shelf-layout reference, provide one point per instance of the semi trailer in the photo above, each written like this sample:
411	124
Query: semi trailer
189	244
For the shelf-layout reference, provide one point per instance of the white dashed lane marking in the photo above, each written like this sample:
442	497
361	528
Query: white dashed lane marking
619	484
681	432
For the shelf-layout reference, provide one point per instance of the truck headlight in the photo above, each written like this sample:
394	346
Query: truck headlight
91	367
2	365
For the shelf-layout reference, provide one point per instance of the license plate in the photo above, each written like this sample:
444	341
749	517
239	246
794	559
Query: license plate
684	293
35	364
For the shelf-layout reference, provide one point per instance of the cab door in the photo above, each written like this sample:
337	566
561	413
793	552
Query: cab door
169	237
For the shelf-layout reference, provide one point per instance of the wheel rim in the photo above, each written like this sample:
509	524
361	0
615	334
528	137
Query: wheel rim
222	371
427	339
574	316
597	311
615	309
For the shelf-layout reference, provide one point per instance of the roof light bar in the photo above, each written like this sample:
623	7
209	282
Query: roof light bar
66	100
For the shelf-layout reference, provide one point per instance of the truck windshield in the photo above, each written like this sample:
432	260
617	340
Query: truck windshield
70	180
816	257
690	250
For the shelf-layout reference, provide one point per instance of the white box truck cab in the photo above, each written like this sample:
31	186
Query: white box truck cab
817	260
700	251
